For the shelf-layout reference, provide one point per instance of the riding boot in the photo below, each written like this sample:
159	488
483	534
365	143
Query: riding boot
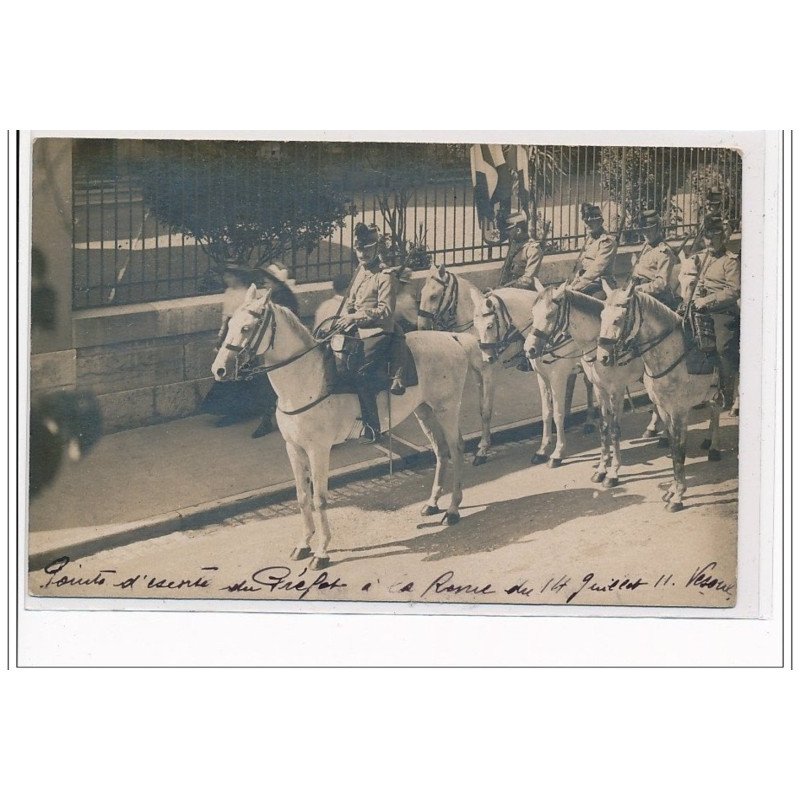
397	367
369	415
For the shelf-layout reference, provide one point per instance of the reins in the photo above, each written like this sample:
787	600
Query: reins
249	350
559	337
627	345
500	312
444	316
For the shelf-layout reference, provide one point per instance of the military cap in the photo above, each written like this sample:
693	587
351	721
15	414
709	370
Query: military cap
366	235
650	218
714	195
520	218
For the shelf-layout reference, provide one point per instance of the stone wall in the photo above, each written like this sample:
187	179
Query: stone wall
151	362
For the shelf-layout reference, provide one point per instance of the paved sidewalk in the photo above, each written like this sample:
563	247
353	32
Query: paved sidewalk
157	470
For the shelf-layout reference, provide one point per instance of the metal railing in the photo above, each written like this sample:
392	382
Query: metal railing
123	253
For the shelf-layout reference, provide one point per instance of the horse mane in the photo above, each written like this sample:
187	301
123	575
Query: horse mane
287	315
585	303
294	322
663	313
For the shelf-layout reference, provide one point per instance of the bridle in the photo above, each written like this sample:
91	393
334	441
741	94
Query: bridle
246	353
559	337
499	311
626	347
443	317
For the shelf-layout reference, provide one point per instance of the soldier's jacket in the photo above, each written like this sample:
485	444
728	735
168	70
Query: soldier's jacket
596	261
373	298
718	277
655	271
524	264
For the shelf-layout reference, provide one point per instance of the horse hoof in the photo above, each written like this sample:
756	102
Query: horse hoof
667	496
589	427
675	507
300	553
555	462
598	477
663	441
320	562
610	482
714	454
429	511
478	460
705	444
538	458
452	517
649	433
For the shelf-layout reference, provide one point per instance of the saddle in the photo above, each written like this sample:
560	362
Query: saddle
344	357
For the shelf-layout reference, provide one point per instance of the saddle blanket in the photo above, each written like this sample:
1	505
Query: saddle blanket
381	380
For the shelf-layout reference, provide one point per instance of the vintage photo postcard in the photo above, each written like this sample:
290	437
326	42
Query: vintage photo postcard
500	373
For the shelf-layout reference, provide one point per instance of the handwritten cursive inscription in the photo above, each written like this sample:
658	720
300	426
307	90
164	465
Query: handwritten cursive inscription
703	578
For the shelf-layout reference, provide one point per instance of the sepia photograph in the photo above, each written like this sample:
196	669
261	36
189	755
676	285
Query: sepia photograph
499	374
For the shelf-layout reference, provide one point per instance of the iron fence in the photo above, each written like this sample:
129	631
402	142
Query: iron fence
124	252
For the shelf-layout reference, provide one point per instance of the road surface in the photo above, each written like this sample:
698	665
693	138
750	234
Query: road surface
529	534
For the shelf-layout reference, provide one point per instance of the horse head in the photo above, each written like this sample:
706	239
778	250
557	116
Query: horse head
614	322
433	298
244	326
545	316
486	320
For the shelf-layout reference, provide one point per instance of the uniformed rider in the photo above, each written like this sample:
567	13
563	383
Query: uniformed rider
596	260
525	254
654	270
711	283
370	308
711	208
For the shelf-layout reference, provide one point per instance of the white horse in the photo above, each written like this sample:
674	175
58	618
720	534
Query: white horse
448	302
635	322
498	321
312	420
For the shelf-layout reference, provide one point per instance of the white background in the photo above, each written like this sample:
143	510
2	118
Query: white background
434	733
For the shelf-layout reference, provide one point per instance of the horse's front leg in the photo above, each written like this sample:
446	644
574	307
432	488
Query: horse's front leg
320	460
558	388
714	453
302	479
678	432
602	463
485	374
448	422
540	456
651	431
430	427
591	409
617	404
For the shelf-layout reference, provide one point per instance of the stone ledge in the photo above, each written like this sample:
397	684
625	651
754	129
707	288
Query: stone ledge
190	315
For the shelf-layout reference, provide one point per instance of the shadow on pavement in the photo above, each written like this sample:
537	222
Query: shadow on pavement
499	525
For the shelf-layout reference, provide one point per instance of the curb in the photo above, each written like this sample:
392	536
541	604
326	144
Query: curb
217	510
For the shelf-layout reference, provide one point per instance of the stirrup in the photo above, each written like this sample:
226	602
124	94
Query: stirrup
398	387
368	435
